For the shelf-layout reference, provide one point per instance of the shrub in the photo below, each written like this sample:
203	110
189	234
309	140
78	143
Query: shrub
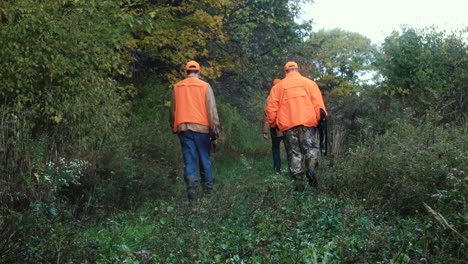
427	69
59	92
408	165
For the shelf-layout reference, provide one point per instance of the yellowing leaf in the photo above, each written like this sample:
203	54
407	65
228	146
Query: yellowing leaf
57	119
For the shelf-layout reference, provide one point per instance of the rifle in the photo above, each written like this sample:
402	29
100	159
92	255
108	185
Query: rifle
323	132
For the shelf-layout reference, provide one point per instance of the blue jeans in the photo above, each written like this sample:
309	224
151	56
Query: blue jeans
275	149
196	151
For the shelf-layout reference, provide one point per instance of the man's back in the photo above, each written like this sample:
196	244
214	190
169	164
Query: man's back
190	102
297	99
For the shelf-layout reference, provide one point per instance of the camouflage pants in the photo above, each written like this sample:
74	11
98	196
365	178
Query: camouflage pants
301	142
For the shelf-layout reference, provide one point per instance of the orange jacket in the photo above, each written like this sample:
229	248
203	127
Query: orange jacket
294	101
190	98
267	127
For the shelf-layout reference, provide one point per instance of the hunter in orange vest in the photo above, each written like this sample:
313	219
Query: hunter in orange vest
194	118
296	105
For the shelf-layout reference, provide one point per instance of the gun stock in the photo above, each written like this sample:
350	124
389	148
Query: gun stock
322	127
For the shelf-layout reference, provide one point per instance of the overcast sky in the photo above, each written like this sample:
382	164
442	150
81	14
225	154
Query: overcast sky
376	19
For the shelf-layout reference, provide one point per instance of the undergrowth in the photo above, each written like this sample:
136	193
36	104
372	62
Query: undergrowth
254	216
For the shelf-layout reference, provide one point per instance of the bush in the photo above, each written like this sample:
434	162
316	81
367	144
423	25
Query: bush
59	93
58	64
427	69
408	165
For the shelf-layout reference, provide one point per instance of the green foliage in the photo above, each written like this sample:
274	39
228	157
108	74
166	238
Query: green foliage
91	173
427	69
166	34
357	119
237	134
59	94
44	234
406	166
143	163
338	59
57	64
262	37
253	216
151	134
25	162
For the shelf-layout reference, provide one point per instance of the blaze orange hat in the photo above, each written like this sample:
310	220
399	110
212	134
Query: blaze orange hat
275	81
290	65
192	66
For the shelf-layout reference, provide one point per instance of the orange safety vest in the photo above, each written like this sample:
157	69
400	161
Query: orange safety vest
190	102
295	101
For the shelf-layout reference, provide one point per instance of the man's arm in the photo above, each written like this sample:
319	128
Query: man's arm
272	106
212	110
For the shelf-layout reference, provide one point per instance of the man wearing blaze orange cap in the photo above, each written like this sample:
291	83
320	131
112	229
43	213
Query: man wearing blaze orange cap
296	105
194	118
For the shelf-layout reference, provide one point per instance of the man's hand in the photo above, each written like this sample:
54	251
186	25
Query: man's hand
323	114
214	136
265	135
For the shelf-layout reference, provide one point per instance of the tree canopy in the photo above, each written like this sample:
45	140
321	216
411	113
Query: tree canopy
338	58
428	68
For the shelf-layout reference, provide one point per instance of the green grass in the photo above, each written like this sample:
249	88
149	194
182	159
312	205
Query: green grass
254	216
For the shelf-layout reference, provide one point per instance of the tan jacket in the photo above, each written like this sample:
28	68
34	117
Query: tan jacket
210	109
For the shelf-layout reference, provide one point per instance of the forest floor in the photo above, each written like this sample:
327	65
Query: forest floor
255	216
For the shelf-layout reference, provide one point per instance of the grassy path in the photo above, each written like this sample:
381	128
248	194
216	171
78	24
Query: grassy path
255	217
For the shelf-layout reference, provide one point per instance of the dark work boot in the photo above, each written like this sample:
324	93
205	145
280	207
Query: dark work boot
299	185
191	195
312	177
191	182
208	187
